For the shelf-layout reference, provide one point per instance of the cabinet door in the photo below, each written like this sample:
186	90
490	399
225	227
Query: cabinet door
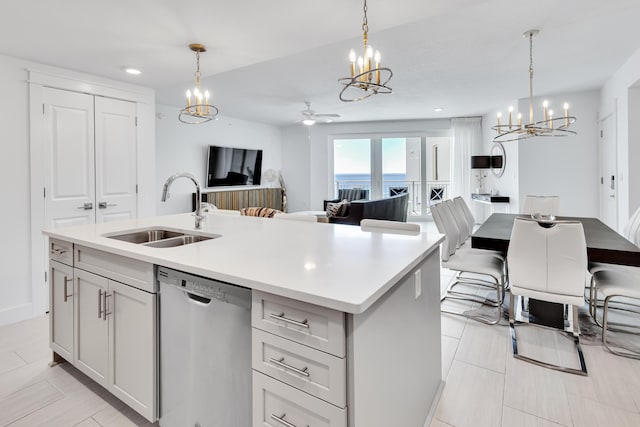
91	337
69	165
133	348
61	309
116	197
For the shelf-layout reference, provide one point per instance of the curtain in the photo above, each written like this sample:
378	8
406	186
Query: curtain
467	134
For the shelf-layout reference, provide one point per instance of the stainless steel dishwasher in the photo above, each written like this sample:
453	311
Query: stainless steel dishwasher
205	352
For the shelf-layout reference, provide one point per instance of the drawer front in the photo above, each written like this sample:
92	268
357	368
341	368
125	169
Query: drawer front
138	274
308	324
61	251
278	405
315	372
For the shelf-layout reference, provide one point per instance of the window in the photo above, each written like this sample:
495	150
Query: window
388	166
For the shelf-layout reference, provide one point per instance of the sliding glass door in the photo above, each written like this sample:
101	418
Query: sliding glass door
388	166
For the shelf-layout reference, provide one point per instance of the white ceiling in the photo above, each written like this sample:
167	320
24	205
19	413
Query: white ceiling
265	58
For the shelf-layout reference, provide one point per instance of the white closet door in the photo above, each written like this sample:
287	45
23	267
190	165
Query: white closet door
69	169
115	160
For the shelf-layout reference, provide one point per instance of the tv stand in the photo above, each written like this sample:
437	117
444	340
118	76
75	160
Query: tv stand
239	198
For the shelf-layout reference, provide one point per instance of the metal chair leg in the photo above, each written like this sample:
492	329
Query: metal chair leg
605	323
576	338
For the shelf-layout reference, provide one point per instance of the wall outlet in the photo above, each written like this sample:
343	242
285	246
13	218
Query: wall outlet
417	277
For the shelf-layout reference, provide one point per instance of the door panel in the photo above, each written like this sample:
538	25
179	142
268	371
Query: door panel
69	169
61	309
115	160
91	338
609	179
133	347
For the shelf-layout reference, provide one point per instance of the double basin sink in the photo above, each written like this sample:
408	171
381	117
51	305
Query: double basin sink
160	238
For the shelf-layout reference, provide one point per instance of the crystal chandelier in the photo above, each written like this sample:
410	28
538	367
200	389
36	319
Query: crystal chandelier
548	126
369	78
198	111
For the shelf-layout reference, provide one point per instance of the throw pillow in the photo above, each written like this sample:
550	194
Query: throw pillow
334	208
262	212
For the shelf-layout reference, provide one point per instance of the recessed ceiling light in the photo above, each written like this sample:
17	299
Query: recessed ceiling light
131	70
438	109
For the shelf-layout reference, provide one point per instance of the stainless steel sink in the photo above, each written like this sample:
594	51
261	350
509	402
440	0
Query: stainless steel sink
179	241
146	236
160	238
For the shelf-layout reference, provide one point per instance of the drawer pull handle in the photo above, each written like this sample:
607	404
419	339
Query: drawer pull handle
56	251
303	324
280	362
281	420
66	295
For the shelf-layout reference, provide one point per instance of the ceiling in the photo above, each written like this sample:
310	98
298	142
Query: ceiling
265	58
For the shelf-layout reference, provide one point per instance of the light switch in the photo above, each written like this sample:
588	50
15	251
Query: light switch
417	277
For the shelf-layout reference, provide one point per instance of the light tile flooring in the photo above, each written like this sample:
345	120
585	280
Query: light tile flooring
33	394
486	386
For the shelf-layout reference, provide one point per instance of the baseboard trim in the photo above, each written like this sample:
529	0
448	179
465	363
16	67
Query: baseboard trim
434	405
16	313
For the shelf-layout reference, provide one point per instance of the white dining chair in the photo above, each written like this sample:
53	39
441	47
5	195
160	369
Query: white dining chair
386	226
296	217
612	284
471	261
548	262
544	205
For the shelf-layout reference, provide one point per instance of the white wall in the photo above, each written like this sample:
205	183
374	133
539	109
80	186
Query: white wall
614	98
568	166
308	180
15	248
183	148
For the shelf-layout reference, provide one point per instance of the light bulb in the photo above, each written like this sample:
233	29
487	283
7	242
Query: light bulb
545	103
550	113
360	61
511	108
369	52
376	57
566	106
206	94
352	55
519	116
499	115
196	93
309	122
189	94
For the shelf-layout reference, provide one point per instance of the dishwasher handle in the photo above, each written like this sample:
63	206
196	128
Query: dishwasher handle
197	299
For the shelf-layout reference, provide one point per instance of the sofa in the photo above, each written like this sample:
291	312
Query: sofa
391	209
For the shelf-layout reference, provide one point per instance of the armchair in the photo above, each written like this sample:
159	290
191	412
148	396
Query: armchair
391	209
348	194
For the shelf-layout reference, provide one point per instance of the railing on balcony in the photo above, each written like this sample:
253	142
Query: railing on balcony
436	191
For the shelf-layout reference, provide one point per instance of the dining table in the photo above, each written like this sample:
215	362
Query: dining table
604	244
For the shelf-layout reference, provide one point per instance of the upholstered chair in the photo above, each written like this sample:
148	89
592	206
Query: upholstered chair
616	284
548	262
469	261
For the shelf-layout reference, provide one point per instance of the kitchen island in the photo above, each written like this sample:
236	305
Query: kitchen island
375	296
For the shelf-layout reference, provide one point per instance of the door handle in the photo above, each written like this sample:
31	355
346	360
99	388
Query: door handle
105	313
86	206
99	303
104	205
66	295
613	182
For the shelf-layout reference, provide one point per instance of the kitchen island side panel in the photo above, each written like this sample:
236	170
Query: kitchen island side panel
394	353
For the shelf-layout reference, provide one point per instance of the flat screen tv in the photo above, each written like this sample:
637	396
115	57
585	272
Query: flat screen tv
233	166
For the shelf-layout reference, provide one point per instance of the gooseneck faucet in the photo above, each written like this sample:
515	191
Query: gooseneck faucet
165	194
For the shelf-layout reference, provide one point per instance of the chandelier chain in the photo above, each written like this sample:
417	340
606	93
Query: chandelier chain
365	23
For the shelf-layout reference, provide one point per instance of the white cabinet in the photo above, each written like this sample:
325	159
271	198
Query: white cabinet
91	335
299	364
105	328
61	297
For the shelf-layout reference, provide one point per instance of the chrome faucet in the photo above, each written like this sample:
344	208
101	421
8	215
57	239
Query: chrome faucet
165	194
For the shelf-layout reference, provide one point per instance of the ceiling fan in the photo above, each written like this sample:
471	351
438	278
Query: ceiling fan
309	117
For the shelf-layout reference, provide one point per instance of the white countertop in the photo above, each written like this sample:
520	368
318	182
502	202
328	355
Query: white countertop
332	265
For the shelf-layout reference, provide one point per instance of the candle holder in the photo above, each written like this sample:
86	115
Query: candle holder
545	127
200	111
